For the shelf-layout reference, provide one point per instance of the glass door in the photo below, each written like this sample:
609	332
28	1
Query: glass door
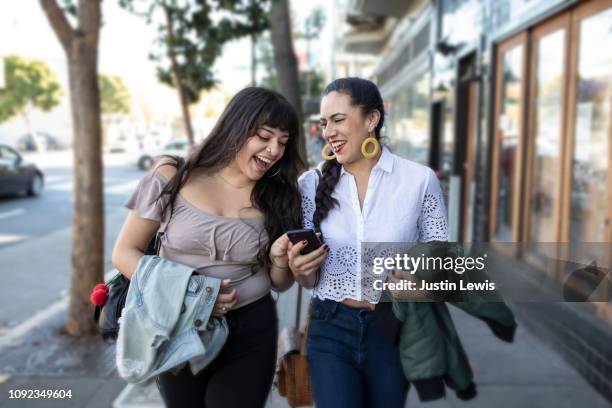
507	142
546	130
589	208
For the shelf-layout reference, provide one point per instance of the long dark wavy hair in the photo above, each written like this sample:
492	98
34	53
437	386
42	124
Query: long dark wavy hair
366	96
277	196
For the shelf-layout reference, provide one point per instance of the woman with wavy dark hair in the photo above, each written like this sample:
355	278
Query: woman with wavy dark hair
361	193
224	211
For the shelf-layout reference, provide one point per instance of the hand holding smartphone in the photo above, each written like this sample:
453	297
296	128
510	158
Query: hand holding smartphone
308	235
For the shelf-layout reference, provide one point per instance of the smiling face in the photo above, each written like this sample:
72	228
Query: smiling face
345	127
261	151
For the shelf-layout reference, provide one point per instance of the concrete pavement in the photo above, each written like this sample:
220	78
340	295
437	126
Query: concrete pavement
524	373
34	355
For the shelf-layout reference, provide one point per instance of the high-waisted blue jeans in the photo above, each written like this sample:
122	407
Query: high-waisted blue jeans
351	364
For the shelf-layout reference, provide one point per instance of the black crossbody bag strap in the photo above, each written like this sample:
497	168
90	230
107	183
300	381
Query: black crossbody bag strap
120	284
154	246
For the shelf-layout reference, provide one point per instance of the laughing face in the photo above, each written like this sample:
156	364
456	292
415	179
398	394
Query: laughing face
261	151
344	126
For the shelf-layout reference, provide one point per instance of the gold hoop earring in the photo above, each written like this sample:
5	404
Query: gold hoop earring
364	145
324	153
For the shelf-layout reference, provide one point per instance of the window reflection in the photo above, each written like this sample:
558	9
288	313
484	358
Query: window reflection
547	137
409	118
508	134
589	205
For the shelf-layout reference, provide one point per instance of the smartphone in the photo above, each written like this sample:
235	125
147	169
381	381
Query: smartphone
295	236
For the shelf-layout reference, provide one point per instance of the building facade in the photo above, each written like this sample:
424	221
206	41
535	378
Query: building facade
510	101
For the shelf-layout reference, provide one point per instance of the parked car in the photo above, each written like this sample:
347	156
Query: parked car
17	176
177	147
43	141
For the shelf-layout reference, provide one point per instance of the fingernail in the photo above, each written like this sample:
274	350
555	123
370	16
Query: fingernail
326	247
304	242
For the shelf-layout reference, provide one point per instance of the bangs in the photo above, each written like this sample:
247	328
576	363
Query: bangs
279	114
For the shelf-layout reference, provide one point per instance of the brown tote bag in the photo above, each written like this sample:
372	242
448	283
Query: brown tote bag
293	375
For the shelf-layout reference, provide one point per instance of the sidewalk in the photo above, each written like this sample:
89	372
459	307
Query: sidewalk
37	357
525	373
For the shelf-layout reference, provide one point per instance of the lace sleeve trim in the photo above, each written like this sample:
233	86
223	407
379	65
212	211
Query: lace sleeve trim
433	225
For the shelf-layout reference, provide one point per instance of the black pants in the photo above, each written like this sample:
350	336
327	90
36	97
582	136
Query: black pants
242	374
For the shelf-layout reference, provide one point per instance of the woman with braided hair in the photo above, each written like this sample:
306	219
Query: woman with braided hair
361	193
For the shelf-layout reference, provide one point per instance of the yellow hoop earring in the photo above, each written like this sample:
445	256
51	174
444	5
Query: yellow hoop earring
365	144
324	153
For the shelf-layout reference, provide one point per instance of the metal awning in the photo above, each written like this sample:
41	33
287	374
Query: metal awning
386	8
360	42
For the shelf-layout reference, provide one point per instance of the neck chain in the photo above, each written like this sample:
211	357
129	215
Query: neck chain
232	184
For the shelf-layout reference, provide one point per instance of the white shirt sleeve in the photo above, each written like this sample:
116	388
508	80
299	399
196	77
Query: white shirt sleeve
433	224
308	186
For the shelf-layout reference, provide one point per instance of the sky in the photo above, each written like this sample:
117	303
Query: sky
125	43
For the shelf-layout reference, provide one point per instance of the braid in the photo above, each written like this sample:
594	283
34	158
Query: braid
324	201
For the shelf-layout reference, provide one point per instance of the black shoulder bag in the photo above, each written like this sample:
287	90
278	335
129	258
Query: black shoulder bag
107	316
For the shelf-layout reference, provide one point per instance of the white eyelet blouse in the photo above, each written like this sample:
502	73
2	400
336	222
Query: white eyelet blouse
403	203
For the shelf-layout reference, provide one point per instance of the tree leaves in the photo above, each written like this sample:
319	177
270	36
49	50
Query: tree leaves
114	95
200	30
28	82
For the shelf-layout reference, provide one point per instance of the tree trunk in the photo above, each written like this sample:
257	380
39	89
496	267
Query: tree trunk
253	60
88	195
286	61
178	83
81	47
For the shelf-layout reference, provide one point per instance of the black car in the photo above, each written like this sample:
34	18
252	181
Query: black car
17	176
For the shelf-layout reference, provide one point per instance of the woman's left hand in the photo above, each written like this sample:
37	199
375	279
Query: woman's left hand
397	276
278	252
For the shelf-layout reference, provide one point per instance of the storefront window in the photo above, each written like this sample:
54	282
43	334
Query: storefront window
544	194
509	126
448	134
589	205
408	120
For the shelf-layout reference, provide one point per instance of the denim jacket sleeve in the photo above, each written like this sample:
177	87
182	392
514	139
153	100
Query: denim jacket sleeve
154	310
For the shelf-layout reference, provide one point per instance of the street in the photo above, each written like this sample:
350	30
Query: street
35	233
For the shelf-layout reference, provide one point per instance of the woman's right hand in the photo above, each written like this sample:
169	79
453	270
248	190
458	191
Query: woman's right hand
225	301
305	267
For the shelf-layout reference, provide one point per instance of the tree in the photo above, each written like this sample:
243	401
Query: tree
312	29
80	43
29	84
115	100
192	36
286	61
310	79
265	57
114	95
